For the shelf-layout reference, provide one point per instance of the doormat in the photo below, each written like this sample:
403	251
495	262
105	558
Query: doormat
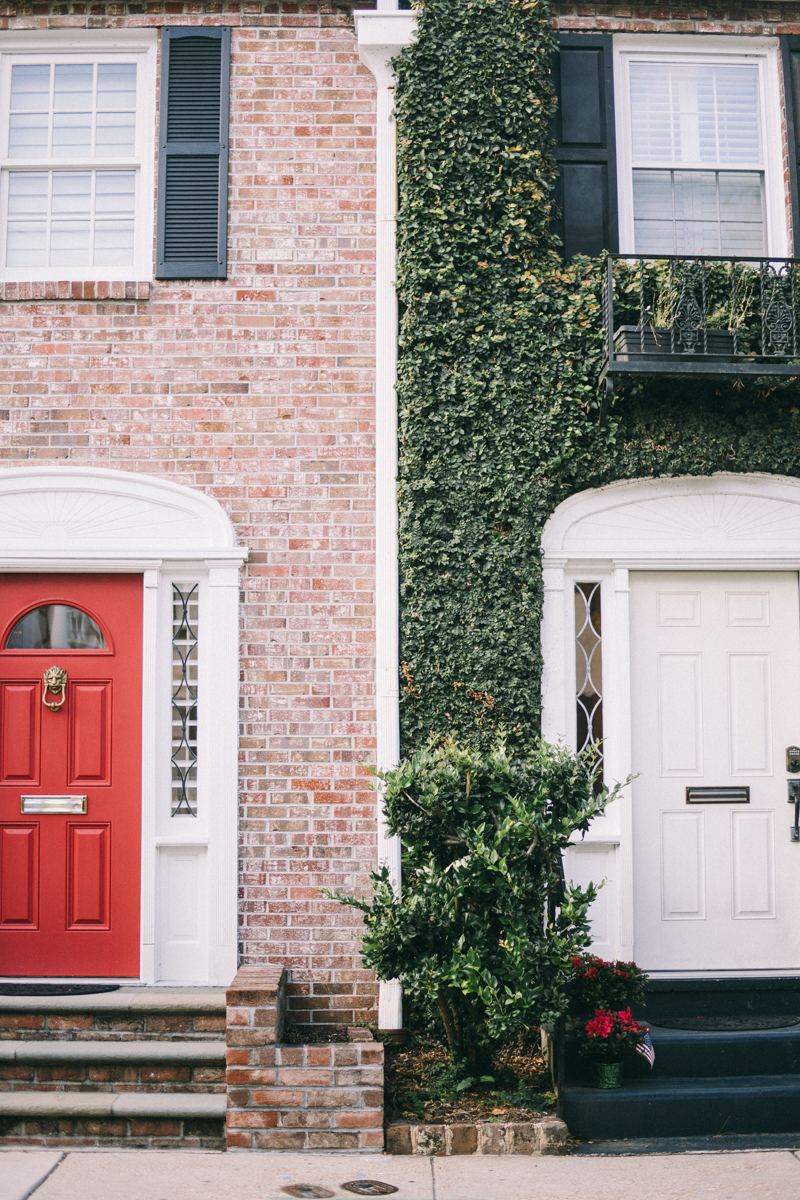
724	1024
56	989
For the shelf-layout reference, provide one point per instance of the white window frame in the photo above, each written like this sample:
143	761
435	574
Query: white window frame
763	52
71	46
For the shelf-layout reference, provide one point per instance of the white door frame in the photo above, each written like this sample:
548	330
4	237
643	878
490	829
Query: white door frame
71	519
723	522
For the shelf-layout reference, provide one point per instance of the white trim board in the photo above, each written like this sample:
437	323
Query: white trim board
720	522
71	519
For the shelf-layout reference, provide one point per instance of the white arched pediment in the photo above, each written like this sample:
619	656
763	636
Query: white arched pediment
721	517
85	511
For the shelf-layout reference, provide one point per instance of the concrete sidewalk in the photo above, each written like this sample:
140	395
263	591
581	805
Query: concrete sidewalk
207	1175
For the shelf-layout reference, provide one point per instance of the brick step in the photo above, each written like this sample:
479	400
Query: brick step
105	1119
153	1013
112	1066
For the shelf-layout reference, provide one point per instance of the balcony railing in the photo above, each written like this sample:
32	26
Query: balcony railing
700	315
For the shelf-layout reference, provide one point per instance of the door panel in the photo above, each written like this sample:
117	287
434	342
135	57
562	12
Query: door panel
90	733
19	876
715	700
20	721
70	882
88	876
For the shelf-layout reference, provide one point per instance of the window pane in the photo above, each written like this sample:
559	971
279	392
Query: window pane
115	135
30	88
73	87
27	136
26	244
695	112
698	212
72	192
27	193
113	243
115	192
116	85
72	135
70	244
56	627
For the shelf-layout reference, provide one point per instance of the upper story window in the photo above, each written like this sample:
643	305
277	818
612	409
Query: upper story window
671	145
76	149
697	158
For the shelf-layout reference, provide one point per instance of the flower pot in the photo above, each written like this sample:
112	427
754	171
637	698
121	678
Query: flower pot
607	1074
630	341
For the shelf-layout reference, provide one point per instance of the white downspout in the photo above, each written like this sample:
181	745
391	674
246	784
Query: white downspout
381	35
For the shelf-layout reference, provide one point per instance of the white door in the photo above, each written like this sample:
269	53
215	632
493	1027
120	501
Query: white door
715	683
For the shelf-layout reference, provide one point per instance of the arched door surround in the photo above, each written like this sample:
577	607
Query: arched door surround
723	522
81	520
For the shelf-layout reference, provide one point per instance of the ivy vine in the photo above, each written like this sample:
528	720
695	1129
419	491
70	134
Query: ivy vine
500	352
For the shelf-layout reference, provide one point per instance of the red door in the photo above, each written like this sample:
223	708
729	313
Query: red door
70	774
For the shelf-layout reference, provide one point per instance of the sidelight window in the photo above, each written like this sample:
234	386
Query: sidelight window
184	700
589	670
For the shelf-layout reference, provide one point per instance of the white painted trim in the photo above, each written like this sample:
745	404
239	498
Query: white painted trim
74	519
381	35
659	47
96	45
711	523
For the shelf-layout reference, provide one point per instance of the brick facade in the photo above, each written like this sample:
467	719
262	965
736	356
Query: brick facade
258	390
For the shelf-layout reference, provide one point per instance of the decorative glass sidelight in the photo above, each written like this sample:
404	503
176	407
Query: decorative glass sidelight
589	670
184	700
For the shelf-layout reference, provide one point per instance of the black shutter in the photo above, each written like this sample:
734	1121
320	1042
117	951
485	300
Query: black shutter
585	150
790	61
192	232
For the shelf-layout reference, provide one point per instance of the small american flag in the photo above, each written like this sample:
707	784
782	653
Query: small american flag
646	1048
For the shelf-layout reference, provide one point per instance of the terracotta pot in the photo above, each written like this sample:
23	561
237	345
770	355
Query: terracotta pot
607	1074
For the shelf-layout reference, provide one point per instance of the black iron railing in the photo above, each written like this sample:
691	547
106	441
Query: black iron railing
701	315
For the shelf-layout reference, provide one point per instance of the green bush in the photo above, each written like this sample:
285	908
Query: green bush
485	924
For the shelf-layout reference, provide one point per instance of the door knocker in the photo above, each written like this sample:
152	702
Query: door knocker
55	681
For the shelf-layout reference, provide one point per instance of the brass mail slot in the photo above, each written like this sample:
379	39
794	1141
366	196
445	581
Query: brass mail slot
718	795
53	804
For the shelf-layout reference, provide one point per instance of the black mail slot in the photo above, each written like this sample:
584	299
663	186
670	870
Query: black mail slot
718	795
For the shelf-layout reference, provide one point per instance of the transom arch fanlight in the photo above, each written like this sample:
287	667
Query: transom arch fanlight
55	626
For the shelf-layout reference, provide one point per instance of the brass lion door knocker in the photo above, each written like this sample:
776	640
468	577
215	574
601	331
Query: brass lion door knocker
55	681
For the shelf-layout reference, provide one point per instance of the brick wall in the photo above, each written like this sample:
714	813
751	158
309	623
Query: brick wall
749	20
319	1097
259	391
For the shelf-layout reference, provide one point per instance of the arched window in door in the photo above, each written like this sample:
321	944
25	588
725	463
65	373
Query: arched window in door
56	627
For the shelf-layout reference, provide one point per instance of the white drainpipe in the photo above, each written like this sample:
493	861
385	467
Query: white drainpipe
381	35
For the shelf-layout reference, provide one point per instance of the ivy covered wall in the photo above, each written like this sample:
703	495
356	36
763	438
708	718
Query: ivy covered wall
501	347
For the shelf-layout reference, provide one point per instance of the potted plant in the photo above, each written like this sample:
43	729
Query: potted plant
608	985
605	1040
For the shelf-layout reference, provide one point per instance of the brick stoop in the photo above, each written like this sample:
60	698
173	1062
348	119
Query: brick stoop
136	1067
318	1097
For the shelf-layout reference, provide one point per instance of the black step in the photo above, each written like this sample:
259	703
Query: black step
659	1107
704	1055
720	997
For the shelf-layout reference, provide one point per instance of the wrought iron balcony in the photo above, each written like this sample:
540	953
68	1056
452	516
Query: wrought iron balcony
700	315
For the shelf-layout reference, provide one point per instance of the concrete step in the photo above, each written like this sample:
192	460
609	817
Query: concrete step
188	1053
689	1054
154	1013
157	1106
725	996
681	1107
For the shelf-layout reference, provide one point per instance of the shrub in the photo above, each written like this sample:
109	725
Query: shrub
486	925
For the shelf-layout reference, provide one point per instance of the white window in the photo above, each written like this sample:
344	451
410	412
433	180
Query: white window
76	154
699	146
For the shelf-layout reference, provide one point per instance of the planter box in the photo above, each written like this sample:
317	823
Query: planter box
546	1136
631	342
